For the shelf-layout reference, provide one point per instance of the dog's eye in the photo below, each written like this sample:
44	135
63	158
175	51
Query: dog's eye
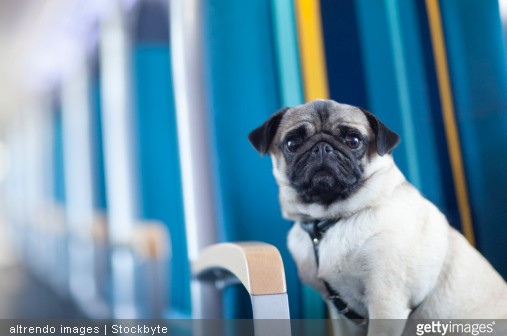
352	140
293	144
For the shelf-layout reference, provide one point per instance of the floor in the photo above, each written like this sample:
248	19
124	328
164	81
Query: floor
23	296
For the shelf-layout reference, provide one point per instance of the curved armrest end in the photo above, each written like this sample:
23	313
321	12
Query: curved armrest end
257	265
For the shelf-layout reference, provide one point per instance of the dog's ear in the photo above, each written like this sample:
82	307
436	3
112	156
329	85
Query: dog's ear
386	140
262	136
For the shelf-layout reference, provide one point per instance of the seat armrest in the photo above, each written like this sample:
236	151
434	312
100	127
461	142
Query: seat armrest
258	266
151	240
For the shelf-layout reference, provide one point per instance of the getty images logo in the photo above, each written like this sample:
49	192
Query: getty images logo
449	328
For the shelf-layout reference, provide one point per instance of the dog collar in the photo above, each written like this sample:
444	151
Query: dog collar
316	230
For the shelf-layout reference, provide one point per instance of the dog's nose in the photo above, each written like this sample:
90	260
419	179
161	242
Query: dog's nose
322	149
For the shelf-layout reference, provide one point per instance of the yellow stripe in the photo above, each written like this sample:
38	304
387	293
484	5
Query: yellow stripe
311	49
451	129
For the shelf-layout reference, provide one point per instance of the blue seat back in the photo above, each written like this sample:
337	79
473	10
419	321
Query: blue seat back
159	178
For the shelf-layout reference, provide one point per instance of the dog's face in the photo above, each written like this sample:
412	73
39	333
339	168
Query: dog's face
321	150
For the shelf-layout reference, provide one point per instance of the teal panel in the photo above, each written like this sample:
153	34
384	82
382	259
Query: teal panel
157	159
287	52
380	69
58	160
477	63
98	168
243	91
397	88
420	121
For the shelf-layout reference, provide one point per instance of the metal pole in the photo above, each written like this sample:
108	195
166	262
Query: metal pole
119	169
191	113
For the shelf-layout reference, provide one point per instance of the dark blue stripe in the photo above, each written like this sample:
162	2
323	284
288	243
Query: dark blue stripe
343	52
478	68
152	23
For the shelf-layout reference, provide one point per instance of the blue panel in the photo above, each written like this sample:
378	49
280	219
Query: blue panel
157	156
287	52
344	57
449	206
399	91
58	163
380	69
424	126
477	62
99	175
243	93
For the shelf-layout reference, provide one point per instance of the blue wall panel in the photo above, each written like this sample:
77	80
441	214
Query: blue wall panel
244	93
287	52
99	174
58	160
344	57
380	68
477	63
398	90
425	128
157	157
449	205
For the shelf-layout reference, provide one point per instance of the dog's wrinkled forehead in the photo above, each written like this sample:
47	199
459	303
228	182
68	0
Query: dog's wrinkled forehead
324	115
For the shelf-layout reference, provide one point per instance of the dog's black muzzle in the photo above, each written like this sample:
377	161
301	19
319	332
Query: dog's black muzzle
325	173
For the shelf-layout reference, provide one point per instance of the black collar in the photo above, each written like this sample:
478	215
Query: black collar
317	228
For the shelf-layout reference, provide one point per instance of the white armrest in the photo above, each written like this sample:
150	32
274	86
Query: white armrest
99	228
257	265
151	240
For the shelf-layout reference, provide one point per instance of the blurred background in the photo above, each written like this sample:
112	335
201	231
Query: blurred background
123	135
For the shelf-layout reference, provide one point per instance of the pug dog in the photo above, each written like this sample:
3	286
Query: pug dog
364	237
